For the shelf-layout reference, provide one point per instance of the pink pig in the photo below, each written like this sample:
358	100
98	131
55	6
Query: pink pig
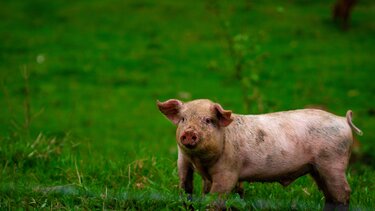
227	148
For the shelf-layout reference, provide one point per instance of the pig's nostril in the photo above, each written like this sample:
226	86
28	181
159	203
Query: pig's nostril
194	138
183	137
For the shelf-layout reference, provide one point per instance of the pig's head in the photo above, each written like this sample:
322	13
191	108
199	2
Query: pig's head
199	123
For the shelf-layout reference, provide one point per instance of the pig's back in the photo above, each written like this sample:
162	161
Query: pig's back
307	124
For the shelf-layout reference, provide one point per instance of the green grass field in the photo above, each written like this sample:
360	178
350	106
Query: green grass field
79	127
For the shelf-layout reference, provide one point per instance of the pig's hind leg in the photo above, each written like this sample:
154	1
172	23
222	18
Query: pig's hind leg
332	181
239	189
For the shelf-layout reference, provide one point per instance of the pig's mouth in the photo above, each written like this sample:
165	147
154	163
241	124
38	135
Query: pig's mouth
190	144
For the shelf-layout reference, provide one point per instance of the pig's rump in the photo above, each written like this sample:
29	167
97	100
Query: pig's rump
285	145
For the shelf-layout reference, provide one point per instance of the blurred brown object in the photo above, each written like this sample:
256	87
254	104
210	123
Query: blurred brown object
341	12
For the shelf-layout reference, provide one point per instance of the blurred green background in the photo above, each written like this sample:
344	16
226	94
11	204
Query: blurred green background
79	82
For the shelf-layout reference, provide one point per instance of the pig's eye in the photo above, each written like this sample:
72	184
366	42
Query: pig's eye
208	121
183	119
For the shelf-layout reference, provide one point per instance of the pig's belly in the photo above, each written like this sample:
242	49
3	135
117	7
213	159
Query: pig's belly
275	168
284	178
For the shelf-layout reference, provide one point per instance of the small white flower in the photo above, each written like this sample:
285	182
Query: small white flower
40	58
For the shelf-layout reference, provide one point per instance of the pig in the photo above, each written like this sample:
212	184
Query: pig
227	149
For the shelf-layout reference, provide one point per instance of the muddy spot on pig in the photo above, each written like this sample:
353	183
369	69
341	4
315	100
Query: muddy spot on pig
324	154
260	136
343	146
239	121
269	160
327	133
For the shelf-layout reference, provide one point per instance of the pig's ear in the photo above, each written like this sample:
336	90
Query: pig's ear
224	116
171	109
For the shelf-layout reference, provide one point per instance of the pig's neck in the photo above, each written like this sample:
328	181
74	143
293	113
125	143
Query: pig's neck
204	162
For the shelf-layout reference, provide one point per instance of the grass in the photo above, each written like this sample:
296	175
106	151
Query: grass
93	138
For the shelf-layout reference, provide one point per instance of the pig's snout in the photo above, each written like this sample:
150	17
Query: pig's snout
189	139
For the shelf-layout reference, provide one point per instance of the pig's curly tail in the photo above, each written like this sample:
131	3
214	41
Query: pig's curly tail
349	119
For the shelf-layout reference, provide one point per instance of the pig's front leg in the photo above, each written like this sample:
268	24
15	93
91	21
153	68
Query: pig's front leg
223	183
239	189
185	173
206	186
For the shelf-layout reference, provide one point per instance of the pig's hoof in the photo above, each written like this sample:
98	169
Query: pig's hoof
188	203
333	206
